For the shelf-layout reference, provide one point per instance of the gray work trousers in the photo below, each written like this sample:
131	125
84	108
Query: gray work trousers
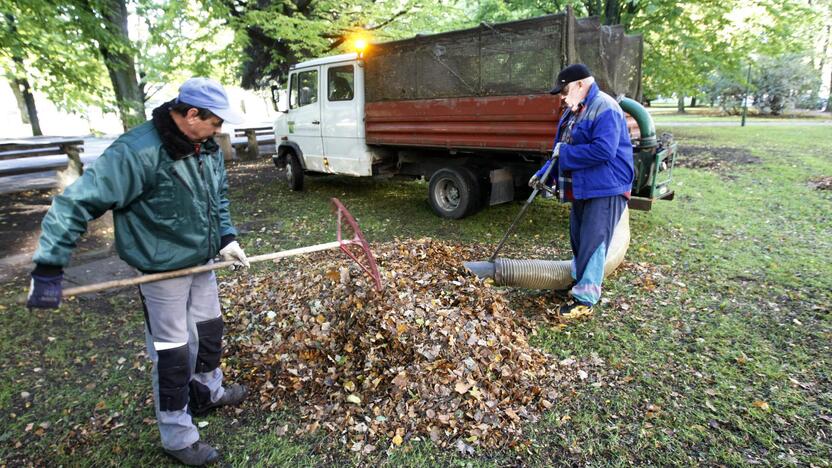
183	329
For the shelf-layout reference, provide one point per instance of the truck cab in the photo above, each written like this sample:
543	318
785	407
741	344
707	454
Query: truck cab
322	127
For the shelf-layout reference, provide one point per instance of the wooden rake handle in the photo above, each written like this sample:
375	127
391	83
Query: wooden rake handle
90	288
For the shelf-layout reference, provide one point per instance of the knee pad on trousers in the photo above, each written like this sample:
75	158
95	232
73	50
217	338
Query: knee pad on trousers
174	374
210	345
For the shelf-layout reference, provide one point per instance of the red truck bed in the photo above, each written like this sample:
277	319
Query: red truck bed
525	123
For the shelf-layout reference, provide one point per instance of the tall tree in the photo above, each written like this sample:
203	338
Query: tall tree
112	36
50	51
15	73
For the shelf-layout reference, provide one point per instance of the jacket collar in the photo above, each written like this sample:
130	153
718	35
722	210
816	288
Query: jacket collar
593	92
590	96
174	141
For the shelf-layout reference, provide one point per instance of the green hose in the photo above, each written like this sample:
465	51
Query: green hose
645	122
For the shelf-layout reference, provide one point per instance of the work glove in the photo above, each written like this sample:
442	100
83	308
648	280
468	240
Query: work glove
534	181
556	151
45	291
233	252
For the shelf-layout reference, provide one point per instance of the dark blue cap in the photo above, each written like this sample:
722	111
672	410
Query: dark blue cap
574	72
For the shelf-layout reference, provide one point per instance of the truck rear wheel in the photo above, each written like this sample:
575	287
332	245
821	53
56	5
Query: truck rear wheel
454	192
294	172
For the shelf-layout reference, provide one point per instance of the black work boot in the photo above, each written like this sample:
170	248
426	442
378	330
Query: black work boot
233	396
197	454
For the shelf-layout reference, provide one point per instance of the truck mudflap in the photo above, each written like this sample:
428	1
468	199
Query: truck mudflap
502	186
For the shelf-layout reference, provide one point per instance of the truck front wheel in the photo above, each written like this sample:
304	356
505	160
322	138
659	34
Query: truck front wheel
454	192
294	172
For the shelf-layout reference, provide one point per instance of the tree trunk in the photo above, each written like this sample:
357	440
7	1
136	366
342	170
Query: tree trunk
693	101
612	12
21	104
680	104
121	66
823	56
829	99
593	7
21	85
32	112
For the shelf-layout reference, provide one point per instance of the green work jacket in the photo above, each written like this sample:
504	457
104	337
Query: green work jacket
169	212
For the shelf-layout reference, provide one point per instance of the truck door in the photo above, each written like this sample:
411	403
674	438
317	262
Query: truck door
344	148
305	116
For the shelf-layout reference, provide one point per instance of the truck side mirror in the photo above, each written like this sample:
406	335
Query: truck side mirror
279	99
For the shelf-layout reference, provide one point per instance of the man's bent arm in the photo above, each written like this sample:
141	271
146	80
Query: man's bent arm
113	181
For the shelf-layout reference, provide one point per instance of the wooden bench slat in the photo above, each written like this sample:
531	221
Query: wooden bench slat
29	153
257	131
14	145
14	149
12	171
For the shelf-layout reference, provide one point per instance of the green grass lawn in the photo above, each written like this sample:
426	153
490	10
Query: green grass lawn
713	340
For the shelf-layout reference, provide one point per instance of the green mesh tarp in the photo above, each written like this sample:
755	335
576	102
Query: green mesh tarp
518	57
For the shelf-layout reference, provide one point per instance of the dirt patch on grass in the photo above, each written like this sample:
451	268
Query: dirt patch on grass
821	183
258	173
20	217
719	159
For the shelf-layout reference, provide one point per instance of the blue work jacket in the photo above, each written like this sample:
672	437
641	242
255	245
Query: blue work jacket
600	155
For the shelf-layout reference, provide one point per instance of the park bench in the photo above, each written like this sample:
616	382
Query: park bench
18	150
247	141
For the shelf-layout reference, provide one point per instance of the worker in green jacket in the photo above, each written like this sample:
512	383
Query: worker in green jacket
165	183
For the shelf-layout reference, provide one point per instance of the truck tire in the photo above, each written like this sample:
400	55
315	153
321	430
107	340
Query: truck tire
294	172
454	192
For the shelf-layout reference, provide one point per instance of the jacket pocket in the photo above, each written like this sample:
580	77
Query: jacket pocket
163	201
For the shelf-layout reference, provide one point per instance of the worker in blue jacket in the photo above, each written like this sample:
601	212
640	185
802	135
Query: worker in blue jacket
594	158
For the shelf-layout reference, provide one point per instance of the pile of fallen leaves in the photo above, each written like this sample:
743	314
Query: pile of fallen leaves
437	354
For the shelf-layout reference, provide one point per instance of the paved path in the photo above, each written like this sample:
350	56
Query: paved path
97	271
748	123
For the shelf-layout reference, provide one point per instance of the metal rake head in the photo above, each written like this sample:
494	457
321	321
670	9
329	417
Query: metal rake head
353	242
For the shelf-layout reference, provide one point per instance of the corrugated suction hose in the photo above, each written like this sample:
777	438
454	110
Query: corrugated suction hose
549	274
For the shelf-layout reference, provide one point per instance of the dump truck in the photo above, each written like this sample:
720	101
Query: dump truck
468	110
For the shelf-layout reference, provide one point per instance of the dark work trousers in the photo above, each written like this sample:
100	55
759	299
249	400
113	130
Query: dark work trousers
591	225
184	327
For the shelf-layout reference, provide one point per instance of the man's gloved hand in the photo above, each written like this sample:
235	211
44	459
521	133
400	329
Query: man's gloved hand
45	292
556	151
534	181
234	252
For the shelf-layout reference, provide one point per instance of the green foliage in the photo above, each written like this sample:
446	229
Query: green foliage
782	82
180	39
275	34
725	90
41	42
